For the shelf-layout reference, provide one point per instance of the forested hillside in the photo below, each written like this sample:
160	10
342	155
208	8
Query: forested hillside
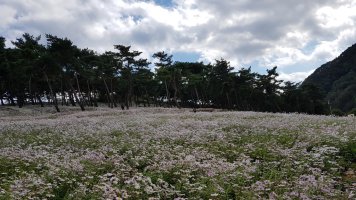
60	73
337	80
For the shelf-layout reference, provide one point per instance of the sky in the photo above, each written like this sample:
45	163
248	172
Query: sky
296	36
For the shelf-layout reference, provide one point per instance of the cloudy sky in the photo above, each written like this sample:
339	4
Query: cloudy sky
295	35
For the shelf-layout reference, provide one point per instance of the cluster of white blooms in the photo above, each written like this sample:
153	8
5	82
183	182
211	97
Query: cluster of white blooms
161	153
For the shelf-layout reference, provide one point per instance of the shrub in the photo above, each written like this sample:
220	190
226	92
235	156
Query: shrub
337	112
353	111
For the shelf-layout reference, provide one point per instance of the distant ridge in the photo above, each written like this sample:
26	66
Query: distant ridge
337	79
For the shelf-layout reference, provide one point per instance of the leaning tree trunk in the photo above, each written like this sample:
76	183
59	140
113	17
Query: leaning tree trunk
175	92
112	92
20	100
167	92
147	98
39	99
64	102
129	95
32	99
51	92
75	95
110	100
228	100
94	97
71	98
78	100
196	94
11	100
90	101
81	96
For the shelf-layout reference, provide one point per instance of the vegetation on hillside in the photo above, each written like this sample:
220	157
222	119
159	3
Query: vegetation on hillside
337	80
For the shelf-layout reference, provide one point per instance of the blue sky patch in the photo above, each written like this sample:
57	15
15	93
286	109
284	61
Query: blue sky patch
185	56
309	47
165	3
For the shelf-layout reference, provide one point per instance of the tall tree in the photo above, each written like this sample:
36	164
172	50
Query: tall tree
25	66
127	60
220	82
168	75
65	55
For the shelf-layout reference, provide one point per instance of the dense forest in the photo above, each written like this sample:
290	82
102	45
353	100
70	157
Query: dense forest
337	79
60	73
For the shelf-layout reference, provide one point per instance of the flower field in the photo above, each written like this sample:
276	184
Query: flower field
157	153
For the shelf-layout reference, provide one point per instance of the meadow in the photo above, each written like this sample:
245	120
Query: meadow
161	153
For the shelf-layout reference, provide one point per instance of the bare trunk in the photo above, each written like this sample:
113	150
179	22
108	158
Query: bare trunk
90	101
175	91
110	102
81	97
228	101
63	94
79	102
112	96
167	92
30	91
147	97
196	93
11	100
70	95
20	100
75	96
130	90
51	92
39	100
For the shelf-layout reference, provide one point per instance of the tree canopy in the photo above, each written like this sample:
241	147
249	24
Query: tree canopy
61	73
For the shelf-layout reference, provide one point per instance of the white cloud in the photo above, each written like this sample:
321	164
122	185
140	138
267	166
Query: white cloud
7	15
272	32
294	77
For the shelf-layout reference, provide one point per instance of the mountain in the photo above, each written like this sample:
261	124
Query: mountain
337	80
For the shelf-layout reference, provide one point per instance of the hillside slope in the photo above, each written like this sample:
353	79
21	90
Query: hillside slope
337	79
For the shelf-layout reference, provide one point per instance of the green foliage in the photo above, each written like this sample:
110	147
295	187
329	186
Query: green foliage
337	112
337	79
348	152
353	111
35	73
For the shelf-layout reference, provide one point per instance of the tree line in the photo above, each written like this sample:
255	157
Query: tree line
60	73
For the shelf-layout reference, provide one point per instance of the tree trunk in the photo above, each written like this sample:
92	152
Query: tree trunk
196	93
110	102
71	98
236	99
30	91
130	90
228	101
11	100
94	98
81	96
63	94
147	98
167	92
20	100
112	96
64	101
39	100
75	95
51	92
79	102
175	91
90	101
